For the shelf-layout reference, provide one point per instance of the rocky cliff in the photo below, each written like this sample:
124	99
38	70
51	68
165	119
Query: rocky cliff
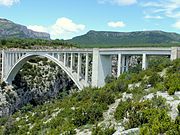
42	80
9	29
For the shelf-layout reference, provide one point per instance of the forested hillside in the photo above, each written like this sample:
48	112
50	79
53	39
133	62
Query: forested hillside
127	39
138	102
34	43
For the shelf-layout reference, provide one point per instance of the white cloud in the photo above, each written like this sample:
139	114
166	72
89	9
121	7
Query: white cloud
8	2
169	8
118	24
151	4
118	2
63	28
163	8
153	17
176	25
65	25
37	28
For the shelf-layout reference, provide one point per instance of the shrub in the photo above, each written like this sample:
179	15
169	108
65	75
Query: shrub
3	84
157	122
3	120
140	113
94	113
121	85
160	87
122	109
154	79
89	114
158	63
103	131
171	90
172	83
109	78
27	108
179	109
102	97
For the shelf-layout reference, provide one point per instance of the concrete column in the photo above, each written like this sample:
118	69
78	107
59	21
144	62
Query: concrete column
9	59
79	66
6	66
64	59
18	55
144	61
101	67
3	60
174	53
123	63
15	57
58	56
71	64
127	63
95	68
87	67
119	65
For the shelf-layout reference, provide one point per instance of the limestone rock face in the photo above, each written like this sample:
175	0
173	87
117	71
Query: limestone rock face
9	29
43	83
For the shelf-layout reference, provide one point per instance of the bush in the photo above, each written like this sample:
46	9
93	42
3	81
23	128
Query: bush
94	113
154	79
140	113
122	109
88	114
157	122
26	108
172	83
171	90
103	131
3	121
179	109
102	97
109	78
3	85
160	87
158	63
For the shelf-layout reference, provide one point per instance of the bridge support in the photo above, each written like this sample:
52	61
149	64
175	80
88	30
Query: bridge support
87	68
71	64
123	64
144	61
101	67
174	53
119	65
79	66
65	59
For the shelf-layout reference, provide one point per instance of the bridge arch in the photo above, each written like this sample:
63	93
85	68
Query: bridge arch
19	64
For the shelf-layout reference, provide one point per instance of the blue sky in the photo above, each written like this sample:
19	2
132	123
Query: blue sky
65	19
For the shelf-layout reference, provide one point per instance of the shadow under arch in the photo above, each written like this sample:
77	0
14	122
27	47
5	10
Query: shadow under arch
19	64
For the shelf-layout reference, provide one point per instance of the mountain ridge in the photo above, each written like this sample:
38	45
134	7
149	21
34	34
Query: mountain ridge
94	38
9	29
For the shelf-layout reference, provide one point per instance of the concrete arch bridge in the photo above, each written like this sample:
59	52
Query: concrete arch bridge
86	67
